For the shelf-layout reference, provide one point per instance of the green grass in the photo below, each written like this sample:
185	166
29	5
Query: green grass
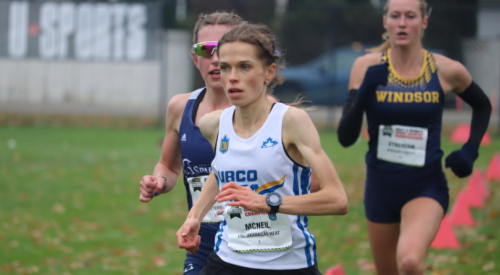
69	205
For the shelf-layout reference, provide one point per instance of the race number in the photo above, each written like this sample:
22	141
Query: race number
253	231
402	144
195	186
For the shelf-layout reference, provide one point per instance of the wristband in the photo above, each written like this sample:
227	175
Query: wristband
165	185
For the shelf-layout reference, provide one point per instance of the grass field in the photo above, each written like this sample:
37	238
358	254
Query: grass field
69	205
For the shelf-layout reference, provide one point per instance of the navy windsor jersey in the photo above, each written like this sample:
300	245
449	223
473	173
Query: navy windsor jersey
417	103
196	152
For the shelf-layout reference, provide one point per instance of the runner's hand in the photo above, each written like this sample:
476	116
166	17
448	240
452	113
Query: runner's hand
461	161
375	75
187	236
151	186
237	195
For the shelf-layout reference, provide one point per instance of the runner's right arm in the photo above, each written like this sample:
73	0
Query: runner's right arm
169	166
366	74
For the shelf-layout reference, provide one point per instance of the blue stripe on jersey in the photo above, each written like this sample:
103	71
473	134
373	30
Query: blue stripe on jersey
308	244
295	180
306	221
304	180
219	236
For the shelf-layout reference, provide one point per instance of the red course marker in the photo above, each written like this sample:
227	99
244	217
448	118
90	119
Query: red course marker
481	187
335	270
493	172
460	213
472	194
445	237
461	135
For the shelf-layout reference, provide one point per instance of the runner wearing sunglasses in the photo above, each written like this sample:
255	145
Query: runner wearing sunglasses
261	172
184	147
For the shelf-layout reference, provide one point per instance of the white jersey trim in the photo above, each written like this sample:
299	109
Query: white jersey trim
196	93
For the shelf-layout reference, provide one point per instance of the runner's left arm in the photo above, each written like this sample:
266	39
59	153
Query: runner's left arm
456	75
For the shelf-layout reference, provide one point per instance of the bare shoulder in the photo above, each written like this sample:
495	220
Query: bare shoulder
175	109
296	122
448	67
368	60
299	130
209	124
360	66
453	74
295	115
177	104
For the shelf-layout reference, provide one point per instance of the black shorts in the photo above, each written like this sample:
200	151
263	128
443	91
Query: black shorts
216	266
387	192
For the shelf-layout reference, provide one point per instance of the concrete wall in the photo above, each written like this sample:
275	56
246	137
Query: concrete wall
488	19
70	86
482	59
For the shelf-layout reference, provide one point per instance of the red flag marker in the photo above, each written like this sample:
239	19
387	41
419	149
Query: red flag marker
474	199
365	134
493	172
445	237
461	135
481	187
460	214
335	270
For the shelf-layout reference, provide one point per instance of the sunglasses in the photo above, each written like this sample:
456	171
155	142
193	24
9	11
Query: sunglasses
205	49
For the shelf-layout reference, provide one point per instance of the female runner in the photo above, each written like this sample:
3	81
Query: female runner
184	147
261	172
402	88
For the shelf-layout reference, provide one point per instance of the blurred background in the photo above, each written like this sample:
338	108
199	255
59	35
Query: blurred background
130	58
84	87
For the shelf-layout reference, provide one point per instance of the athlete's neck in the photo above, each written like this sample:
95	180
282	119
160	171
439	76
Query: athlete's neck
212	101
407	60
215	99
250	118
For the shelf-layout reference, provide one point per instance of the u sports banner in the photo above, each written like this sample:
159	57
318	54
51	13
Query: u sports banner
84	31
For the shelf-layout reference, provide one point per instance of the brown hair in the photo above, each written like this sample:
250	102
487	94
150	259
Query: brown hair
215	18
260	36
387	43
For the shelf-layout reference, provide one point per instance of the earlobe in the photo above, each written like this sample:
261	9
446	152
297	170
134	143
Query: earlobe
271	72
195	60
425	22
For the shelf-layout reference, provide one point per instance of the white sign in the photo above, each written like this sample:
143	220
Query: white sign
90	31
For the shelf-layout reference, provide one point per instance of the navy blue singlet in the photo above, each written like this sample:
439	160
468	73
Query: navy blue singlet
417	102
197	155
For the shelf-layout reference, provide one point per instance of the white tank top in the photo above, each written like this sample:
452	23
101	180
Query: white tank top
251	239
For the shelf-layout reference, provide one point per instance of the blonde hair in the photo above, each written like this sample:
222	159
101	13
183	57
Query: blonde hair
387	43
215	18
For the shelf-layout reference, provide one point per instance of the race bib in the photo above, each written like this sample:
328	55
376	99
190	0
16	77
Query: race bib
402	144
252	231
195	186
